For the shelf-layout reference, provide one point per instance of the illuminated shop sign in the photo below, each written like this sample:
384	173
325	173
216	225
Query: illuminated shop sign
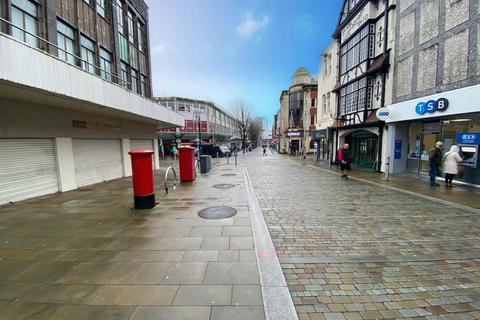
432	106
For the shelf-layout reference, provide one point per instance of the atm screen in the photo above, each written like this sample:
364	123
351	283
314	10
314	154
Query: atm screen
469	149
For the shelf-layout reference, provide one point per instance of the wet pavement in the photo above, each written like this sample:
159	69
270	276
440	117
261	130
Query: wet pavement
86	254
356	250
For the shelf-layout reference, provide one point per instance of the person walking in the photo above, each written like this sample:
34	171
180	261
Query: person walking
264	151
174	151
435	161
344	158
450	164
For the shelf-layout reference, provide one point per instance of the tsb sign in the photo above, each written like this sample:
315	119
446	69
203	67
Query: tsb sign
432	106
383	114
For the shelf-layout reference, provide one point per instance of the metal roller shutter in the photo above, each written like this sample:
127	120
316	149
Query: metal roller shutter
141	144
27	169
97	160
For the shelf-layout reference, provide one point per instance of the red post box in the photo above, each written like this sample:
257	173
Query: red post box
187	163
142	176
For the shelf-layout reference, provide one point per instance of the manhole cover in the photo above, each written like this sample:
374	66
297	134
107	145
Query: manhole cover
223	186
229	175
217	212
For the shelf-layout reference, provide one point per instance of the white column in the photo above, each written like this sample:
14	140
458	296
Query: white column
127	164
65	164
156	155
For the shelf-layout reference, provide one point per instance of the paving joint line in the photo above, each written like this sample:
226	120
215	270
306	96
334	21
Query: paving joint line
277	301
415	194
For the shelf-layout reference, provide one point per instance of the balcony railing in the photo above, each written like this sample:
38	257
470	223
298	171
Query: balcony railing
46	44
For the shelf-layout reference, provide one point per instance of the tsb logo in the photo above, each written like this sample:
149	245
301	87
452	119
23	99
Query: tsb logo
384	114
431	106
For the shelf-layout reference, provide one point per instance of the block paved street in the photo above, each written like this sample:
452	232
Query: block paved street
353	250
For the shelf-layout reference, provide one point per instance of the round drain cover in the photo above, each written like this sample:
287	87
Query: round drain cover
229	175
217	212
223	186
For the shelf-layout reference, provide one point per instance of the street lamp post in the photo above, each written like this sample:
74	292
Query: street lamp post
199	141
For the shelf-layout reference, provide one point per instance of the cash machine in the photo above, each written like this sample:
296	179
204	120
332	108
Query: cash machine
469	144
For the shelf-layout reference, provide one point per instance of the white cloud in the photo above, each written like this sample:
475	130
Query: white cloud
158	49
250	25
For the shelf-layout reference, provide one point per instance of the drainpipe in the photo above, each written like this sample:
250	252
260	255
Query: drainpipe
384	80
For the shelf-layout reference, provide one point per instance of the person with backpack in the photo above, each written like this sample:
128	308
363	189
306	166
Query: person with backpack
435	161
344	158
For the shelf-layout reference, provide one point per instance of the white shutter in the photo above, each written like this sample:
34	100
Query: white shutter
27	169
141	144
97	160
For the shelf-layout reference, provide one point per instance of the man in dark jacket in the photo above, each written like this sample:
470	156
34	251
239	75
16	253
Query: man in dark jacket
435	161
344	159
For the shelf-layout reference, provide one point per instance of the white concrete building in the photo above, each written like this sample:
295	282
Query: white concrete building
62	127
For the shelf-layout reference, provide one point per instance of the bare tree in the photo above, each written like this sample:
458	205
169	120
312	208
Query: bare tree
243	116
255	131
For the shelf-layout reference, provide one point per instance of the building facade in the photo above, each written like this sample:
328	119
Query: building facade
204	118
365	37
436	88
298	113
327	103
74	88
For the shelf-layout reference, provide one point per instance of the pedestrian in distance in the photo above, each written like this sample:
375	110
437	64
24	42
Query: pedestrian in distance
435	161
450	164
264	151
174	152
344	158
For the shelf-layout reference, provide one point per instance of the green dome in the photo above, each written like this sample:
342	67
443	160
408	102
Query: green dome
302	70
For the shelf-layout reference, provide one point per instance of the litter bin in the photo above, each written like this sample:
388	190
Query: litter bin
142	177
205	164
187	163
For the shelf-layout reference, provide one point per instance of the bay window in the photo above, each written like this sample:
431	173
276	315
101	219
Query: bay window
356	50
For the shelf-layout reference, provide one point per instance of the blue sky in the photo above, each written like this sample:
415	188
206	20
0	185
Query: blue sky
225	50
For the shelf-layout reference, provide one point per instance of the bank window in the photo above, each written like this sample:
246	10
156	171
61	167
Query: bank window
106	64
66	42
25	21
88	54
143	85
355	51
124	75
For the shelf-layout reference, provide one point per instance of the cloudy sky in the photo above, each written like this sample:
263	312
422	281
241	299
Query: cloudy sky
225	50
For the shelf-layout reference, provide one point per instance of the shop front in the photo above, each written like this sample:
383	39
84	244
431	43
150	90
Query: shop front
321	139
452	117
295	141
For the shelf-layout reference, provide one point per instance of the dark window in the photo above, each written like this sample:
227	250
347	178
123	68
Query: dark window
123	48
66	42
313	103
119	11
140	36
106	64
135	80
102	8
312	120
25	19
88	54
131	29
143	85
124	75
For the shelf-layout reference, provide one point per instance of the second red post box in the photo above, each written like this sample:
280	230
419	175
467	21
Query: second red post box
142	176
187	163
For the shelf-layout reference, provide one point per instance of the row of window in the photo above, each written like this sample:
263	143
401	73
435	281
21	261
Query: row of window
358	49
353	97
25	18
326	103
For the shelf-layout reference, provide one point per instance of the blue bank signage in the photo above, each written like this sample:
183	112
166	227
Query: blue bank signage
398	149
468	138
432	106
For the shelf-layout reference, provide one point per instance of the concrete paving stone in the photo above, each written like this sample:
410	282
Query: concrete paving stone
238	313
138	273
247	255
69	294
333	316
247	295
409	313
85	312
109	295
143	256
173	256
207	231
228	255
201	255
203	295
12	290
185	273
186	243
161	232
169	313
235	231
353	307
153	295
46	271
390	314
242	221
10	310
215	243
241	243
232	273
88	273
